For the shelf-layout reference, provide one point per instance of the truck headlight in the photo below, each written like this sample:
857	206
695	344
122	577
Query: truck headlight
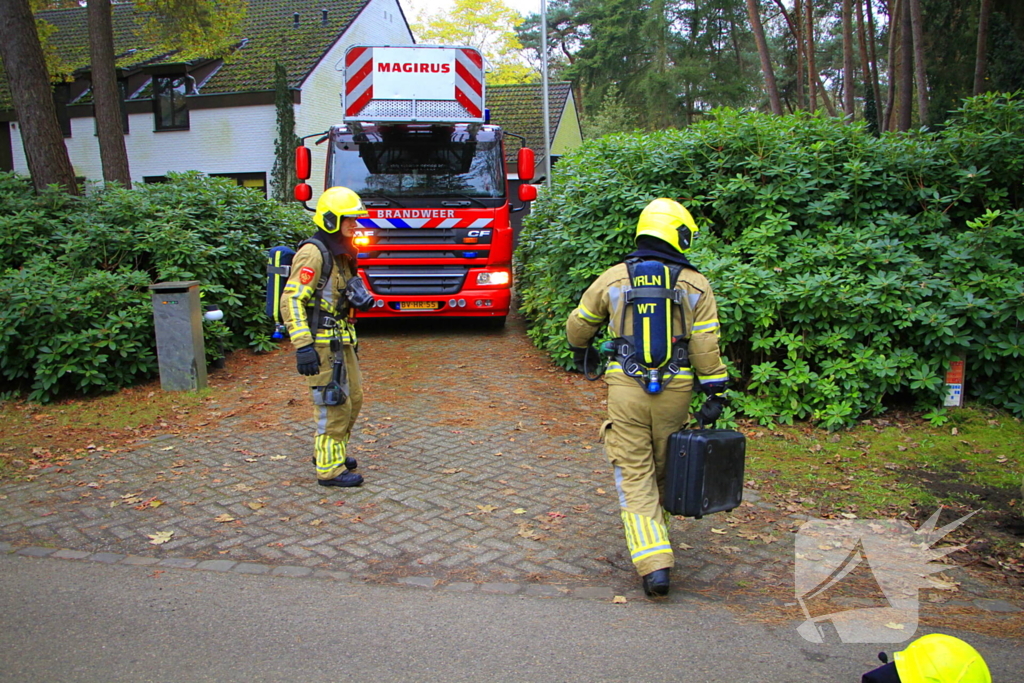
501	277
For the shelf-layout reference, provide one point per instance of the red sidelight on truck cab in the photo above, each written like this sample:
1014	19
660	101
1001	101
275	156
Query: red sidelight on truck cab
416	147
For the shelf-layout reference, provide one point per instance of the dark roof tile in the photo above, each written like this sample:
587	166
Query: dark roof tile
267	32
519	109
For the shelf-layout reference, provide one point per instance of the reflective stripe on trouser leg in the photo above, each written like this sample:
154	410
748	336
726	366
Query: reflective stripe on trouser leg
334	423
329	444
645	536
636	445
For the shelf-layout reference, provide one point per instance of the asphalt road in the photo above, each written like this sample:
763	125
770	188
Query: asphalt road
77	621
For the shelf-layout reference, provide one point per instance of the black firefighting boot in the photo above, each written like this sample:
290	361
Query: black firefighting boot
350	463
345	480
656	583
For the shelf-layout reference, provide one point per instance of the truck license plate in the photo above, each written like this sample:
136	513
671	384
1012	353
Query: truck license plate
418	305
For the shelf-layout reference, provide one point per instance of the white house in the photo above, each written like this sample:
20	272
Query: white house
212	115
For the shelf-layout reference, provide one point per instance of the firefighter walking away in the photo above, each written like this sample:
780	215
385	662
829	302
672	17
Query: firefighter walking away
662	315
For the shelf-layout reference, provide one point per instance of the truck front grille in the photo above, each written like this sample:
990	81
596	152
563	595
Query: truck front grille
416	280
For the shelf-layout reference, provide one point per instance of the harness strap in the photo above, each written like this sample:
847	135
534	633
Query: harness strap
315	321
676	295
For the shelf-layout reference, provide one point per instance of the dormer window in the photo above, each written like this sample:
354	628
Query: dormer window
170	108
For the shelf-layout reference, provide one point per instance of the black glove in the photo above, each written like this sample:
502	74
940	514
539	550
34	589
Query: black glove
711	410
587	359
307	361
355	292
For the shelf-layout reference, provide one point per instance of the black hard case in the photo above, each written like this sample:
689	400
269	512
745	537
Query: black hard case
704	471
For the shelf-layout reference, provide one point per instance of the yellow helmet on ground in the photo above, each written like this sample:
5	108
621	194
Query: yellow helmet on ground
938	658
335	204
669	221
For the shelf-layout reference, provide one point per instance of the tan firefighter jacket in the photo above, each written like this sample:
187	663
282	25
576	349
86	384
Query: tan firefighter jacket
297	299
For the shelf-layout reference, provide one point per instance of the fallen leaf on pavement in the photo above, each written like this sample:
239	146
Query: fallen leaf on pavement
618	600
160	537
279	457
519	511
942	584
255	505
893	625
718	531
684	546
486	508
224	518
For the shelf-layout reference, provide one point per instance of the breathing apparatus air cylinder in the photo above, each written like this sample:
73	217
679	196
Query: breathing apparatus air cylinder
650	350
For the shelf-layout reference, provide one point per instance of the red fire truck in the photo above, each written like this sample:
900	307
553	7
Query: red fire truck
416	145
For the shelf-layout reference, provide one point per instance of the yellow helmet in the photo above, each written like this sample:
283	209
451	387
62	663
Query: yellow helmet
668	220
938	658
335	204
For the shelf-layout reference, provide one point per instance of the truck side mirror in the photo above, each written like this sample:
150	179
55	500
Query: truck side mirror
527	192
303	192
302	163
525	164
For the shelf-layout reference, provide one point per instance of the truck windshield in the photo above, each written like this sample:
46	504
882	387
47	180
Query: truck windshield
418	161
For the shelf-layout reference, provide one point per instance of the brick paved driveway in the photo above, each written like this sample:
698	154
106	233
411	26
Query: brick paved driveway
482	471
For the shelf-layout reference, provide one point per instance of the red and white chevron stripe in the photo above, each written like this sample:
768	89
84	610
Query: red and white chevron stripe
469	80
358	79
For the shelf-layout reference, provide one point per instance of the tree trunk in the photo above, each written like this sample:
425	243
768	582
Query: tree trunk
873	62
920	76
812	93
982	51
848	70
906	74
795	29
22	55
862	47
890	99
798	34
766	61
106	96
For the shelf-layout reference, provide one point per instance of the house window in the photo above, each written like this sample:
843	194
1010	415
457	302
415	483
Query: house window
254	181
169	104
61	97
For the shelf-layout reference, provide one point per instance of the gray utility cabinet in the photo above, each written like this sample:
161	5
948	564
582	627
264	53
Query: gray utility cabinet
178	318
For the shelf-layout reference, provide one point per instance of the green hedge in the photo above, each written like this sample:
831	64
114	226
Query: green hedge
849	269
75	309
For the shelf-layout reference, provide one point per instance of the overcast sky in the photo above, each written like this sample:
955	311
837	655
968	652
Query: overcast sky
413	7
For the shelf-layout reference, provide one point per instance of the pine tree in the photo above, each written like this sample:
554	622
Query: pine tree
282	176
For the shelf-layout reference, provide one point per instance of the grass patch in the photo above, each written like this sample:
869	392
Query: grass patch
900	462
35	434
901	467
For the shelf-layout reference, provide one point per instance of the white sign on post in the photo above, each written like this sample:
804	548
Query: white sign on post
404	74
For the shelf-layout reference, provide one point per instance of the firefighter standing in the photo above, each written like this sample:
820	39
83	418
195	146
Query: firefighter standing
317	316
663	315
